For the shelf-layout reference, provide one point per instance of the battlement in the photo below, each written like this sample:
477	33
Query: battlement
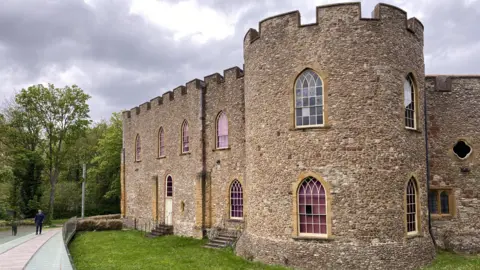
230	74
336	15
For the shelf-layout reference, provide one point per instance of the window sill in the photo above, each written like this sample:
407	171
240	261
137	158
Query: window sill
221	149
310	238
304	129
413	129
185	154
137	161
441	216
415	235
162	157
236	220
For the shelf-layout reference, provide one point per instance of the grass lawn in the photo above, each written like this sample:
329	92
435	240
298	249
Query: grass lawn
130	250
449	261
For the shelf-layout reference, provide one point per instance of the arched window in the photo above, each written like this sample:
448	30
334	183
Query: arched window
222	130
137	148
412	207
161	143
185	146
236	200
409	103
312	207
169	188
308	100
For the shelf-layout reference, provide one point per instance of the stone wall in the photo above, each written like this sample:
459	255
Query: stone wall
364	152
453	115
224	165
169	112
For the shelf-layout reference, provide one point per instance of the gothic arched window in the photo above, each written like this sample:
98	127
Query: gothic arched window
236	200
309	100
185	142
137	148
312	207
409	103
161	143
412	206
222	130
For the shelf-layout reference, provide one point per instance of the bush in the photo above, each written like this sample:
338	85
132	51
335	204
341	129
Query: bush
113	216
99	224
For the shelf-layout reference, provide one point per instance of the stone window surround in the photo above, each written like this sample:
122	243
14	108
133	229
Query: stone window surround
451	202
295	216
161	131
418	231
415	102
216	131
230	200
292	82
467	141
182	152
227	197
137	148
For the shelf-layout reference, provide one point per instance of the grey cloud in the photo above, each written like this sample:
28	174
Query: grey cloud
36	34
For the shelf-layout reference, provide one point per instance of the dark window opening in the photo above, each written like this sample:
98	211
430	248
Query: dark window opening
462	149
308	209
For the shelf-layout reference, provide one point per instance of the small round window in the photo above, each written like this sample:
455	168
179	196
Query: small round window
462	149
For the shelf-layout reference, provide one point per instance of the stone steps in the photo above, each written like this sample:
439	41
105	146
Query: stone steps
223	240
161	230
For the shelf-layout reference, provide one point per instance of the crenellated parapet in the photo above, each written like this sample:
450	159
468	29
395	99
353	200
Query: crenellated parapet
229	75
335	16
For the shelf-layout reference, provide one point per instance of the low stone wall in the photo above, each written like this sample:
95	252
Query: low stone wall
100	223
334	254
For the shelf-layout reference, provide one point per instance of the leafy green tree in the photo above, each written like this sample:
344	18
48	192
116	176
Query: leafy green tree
62	114
104	174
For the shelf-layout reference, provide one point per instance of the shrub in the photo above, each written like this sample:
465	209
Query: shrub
112	216
99	224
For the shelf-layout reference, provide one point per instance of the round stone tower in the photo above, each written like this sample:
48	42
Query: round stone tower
335	148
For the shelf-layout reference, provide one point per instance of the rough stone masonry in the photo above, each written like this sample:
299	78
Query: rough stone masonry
380	180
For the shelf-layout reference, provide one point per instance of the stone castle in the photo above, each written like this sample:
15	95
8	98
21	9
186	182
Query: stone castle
331	149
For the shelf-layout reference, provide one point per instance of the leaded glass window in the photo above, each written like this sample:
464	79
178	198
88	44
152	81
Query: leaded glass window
137	148
411	206
222	131
161	143
169	186
236	200
312	207
432	201
185	145
308	99
409	103
444	202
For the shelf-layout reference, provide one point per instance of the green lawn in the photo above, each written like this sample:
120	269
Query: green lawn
449	261
130	250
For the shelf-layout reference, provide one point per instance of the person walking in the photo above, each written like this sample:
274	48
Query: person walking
39	221
14	225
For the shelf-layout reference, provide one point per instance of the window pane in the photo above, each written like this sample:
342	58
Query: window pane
305	112
312	101
444	202
432	201
299	121
306	120
319	91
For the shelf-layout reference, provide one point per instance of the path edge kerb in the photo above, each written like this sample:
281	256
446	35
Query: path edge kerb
40	247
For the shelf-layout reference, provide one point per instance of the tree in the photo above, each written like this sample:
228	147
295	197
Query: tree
62	114
104	175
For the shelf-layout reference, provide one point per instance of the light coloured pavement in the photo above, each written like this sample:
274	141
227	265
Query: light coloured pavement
19	256
51	256
6	233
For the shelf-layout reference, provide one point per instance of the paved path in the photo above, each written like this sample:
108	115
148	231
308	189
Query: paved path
19	256
51	256
6	233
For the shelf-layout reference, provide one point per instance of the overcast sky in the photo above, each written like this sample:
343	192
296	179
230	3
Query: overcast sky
125	52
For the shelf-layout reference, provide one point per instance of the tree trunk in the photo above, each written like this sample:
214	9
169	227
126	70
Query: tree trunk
53	183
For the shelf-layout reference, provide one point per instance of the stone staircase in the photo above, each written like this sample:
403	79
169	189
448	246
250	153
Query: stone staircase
222	240
161	230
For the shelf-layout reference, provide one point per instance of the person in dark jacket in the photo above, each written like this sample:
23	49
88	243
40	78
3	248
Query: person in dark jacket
39	221
14	225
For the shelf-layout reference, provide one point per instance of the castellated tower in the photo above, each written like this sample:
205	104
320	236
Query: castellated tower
335	147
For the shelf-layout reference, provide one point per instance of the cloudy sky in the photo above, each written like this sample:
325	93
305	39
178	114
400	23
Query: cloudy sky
125	52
